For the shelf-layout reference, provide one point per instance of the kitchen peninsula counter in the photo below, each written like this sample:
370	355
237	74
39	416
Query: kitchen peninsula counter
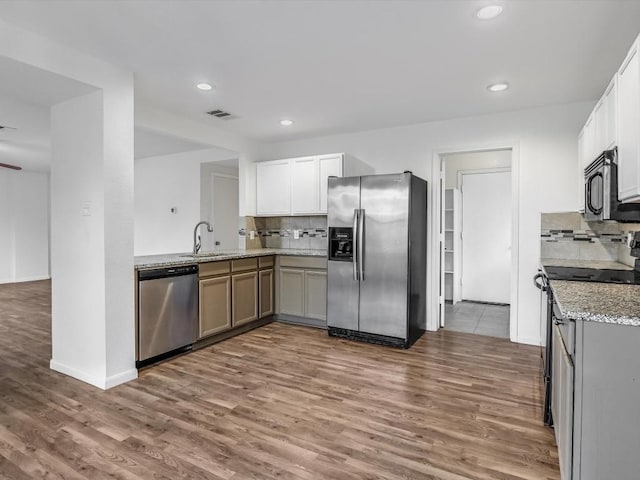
176	259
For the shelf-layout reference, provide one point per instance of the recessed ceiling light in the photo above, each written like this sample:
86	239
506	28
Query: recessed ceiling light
489	12
204	86
286	123
498	87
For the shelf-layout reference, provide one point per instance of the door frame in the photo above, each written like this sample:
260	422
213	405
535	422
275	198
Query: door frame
212	201
435	236
475	171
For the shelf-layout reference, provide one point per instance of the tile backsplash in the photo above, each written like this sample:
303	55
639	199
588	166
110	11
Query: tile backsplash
279	232
568	236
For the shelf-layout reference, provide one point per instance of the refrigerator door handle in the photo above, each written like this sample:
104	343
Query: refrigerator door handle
361	244
354	260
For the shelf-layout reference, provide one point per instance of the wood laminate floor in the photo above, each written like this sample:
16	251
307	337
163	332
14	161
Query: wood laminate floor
280	402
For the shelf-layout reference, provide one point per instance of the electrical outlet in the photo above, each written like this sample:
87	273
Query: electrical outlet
252	235
296	234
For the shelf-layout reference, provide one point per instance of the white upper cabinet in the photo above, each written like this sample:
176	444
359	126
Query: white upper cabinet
589	141
304	186
328	166
629	127
303	181
581	160
610	104
273	181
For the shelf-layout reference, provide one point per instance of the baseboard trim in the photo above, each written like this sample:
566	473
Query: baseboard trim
120	378
528	341
303	321
103	383
24	279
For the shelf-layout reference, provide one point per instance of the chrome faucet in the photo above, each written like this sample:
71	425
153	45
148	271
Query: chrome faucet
196	238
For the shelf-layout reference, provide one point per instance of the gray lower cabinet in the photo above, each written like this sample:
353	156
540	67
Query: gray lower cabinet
292	291
214	288
302	290
244	297
234	293
595	402
266	304
315	294
562	402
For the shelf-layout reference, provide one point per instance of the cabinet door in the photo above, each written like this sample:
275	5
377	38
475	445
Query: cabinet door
273	188
315	294
581	172
329	166
266	293
589	140
600	127
610	103
215	308
292	292
304	185
562	403
244	297
629	127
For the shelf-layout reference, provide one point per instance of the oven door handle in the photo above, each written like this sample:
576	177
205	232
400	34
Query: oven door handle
540	285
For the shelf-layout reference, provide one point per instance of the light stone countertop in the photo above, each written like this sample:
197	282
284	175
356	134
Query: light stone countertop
599	265
598	302
174	259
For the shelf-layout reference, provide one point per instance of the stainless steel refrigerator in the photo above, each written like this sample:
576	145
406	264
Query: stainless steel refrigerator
376	272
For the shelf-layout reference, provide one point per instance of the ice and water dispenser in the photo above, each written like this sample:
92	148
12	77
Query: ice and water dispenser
341	244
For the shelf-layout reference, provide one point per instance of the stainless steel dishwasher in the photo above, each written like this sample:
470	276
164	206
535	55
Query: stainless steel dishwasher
167	311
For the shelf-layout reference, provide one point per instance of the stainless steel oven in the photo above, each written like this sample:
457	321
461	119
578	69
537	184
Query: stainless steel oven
601	191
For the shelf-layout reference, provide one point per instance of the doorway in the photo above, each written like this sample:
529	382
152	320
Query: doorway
476	236
224	208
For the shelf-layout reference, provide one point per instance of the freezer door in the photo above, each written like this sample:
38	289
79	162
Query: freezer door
384	203
343	202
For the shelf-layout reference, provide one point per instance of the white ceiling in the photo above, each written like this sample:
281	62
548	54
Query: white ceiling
341	66
26	95
150	143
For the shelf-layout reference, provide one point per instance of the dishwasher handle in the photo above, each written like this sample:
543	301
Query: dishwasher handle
167	272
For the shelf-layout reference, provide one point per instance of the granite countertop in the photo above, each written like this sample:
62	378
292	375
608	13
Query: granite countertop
598	302
599	265
173	259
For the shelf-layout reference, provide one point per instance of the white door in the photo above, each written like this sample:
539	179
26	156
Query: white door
225	211
486	236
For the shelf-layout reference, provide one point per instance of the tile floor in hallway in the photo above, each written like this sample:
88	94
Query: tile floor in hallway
478	318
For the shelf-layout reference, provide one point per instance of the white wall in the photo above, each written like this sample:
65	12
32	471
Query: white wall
547	144
24	225
161	183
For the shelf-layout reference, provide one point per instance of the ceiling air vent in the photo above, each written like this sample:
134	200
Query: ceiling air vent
221	114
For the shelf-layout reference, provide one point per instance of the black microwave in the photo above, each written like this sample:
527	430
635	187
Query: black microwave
601	191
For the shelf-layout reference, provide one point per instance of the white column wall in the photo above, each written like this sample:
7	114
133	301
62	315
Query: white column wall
78	241
118	114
